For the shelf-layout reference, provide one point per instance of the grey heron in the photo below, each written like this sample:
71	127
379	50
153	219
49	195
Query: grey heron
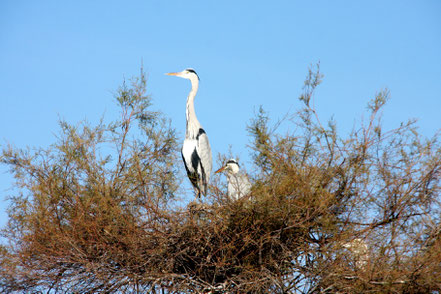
360	250
238	183
196	150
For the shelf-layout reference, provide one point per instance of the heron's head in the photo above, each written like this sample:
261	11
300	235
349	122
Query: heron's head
187	73
232	166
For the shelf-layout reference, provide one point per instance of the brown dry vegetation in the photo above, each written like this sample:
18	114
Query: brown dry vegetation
97	211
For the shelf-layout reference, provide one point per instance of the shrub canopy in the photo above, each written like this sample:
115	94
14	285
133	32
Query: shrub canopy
99	211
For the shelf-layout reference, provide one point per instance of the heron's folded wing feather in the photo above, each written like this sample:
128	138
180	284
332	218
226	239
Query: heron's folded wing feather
204	150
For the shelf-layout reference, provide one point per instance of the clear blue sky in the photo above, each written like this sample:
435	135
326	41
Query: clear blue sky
66	59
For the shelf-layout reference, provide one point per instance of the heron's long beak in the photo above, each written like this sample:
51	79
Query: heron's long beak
172	73
221	169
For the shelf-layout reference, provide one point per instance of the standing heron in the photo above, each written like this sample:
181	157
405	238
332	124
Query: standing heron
360	250
196	151
238	183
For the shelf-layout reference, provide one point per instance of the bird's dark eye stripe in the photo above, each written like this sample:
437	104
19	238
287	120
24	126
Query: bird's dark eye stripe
232	161
192	71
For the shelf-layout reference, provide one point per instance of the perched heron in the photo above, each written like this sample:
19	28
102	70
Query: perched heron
196	151
238	183
360	250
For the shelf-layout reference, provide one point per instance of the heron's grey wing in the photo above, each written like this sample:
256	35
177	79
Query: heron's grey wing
238	186
245	185
204	150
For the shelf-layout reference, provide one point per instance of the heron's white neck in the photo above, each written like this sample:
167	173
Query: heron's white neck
193	124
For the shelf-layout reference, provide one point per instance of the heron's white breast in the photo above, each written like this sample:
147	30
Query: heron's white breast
187	150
